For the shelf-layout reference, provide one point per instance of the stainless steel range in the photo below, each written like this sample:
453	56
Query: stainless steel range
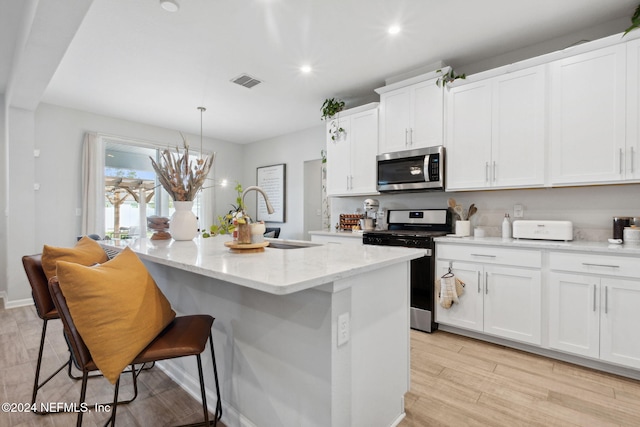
416	229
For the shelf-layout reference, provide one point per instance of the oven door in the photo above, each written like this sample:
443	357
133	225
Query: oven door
411	170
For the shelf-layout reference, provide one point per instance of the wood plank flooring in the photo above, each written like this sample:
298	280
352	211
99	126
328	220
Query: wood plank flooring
456	381
459	381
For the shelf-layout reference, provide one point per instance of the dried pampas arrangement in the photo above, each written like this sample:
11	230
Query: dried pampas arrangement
179	176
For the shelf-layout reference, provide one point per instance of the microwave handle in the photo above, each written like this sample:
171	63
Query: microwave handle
425	167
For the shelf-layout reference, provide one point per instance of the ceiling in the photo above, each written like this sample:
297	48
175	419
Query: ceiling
133	60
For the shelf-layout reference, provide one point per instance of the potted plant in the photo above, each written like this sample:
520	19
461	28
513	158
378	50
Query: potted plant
446	78
330	108
182	178
635	21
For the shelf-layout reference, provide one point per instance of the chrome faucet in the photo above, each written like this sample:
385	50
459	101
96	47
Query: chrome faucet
270	209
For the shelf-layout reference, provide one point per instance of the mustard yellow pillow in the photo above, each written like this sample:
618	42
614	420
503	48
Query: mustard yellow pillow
86	252
116	307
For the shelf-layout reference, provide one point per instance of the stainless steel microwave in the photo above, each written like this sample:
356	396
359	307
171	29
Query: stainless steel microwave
412	170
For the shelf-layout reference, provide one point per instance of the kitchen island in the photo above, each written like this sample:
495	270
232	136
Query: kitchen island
313	336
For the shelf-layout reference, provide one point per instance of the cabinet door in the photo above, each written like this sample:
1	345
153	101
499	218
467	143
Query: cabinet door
574	314
512	303
619	320
518	117
427	113
395	116
587	120
364	143
633	111
468	313
468	139
338	158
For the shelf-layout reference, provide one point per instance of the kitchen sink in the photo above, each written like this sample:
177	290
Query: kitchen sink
287	245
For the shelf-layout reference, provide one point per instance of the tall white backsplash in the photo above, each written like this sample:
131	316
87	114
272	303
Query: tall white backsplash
591	209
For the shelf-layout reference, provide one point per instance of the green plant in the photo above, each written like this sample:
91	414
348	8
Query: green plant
635	21
448	77
225	223
331	107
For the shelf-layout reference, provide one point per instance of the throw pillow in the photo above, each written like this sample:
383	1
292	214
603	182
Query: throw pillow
86	252
116	307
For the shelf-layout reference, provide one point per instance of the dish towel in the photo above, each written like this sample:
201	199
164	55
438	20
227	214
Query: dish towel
449	288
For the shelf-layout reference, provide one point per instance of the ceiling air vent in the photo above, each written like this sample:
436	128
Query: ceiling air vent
246	81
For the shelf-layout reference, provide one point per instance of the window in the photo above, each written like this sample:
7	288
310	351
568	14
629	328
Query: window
132	192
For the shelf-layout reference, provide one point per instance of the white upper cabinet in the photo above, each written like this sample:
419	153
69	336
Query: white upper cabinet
632	153
496	131
587	120
351	154
411	115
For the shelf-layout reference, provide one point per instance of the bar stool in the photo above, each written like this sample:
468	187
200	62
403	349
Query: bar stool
46	310
184	336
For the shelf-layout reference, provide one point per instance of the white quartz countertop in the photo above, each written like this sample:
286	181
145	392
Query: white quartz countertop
276	271
573	246
336	233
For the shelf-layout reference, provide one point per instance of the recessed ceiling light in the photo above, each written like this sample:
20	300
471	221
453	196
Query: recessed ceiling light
170	5
306	69
394	29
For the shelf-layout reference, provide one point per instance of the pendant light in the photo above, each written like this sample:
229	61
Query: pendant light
202	110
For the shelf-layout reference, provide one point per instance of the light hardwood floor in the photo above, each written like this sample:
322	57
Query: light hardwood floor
456	381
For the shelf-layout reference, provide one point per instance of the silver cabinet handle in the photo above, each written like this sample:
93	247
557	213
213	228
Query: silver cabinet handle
347	182
588	264
483	255
486	282
633	155
486	171
606	299
621	159
479	290
594	298
494	171
410	136
406	137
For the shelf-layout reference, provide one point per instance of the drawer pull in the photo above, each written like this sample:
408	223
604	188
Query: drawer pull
588	264
479	290
594	298
483	255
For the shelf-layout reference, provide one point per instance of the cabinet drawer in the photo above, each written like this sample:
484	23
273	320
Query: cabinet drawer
490	255
595	264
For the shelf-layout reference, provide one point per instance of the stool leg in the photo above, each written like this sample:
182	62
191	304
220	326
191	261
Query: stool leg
218	414
83	393
205	409
39	363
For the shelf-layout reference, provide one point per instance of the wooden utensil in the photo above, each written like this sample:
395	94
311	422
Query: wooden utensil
452	202
472	210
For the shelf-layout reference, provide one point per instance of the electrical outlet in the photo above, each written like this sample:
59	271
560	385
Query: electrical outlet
518	211
343	329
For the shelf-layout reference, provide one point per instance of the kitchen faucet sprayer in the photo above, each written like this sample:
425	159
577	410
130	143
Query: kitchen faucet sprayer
270	209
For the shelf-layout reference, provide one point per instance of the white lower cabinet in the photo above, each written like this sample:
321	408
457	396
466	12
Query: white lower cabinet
501	300
593	310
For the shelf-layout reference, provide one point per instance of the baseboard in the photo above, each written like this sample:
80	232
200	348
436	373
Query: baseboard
230	416
14	304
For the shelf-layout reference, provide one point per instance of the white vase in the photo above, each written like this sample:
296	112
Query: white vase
183	224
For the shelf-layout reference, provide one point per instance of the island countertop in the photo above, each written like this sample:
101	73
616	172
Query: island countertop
276	271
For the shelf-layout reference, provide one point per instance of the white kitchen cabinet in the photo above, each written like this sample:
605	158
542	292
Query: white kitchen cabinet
411	115
351	155
587	120
632	153
496	131
501	300
593	307
343	238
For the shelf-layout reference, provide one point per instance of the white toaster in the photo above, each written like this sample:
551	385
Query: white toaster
543	230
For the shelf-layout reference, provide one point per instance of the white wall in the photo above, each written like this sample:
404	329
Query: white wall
293	150
4	141
48	215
